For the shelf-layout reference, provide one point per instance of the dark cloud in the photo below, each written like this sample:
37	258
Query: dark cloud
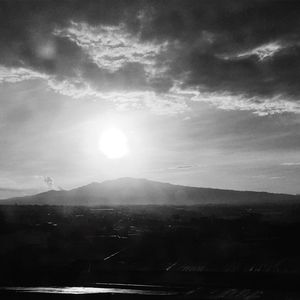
215	46
233	27
185	167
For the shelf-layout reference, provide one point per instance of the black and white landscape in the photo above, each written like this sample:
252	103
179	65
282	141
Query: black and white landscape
150	148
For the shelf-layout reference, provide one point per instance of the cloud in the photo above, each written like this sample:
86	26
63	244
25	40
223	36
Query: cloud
49	182
112	47
177	168
297	163
185	167
261	106
72	88
137	51
175	100
262	52
263	176
159	103
14	75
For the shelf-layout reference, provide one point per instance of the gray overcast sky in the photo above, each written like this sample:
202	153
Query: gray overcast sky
206	92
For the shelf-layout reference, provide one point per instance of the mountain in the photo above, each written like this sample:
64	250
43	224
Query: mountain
130	191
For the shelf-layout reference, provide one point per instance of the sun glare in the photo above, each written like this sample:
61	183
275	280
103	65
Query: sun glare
113	143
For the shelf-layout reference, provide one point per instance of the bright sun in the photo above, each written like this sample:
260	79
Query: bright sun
113	143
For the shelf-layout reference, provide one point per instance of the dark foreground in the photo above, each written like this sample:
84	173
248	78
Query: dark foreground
210	252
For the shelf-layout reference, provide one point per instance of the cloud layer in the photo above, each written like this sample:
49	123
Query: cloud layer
234	55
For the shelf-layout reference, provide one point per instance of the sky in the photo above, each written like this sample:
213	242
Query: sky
205	92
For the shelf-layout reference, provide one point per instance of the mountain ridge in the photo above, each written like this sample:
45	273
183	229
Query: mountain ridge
135	191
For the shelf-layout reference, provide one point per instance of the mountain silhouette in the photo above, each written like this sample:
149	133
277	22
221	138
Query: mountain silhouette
131	191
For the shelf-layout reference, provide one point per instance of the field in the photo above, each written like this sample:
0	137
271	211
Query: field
252	250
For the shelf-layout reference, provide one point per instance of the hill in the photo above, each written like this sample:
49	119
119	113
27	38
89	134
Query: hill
130	191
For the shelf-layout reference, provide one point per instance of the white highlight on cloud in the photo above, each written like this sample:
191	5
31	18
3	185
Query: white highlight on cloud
74	88
168	103
177	99
261	106
13	75
111	47
263	52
